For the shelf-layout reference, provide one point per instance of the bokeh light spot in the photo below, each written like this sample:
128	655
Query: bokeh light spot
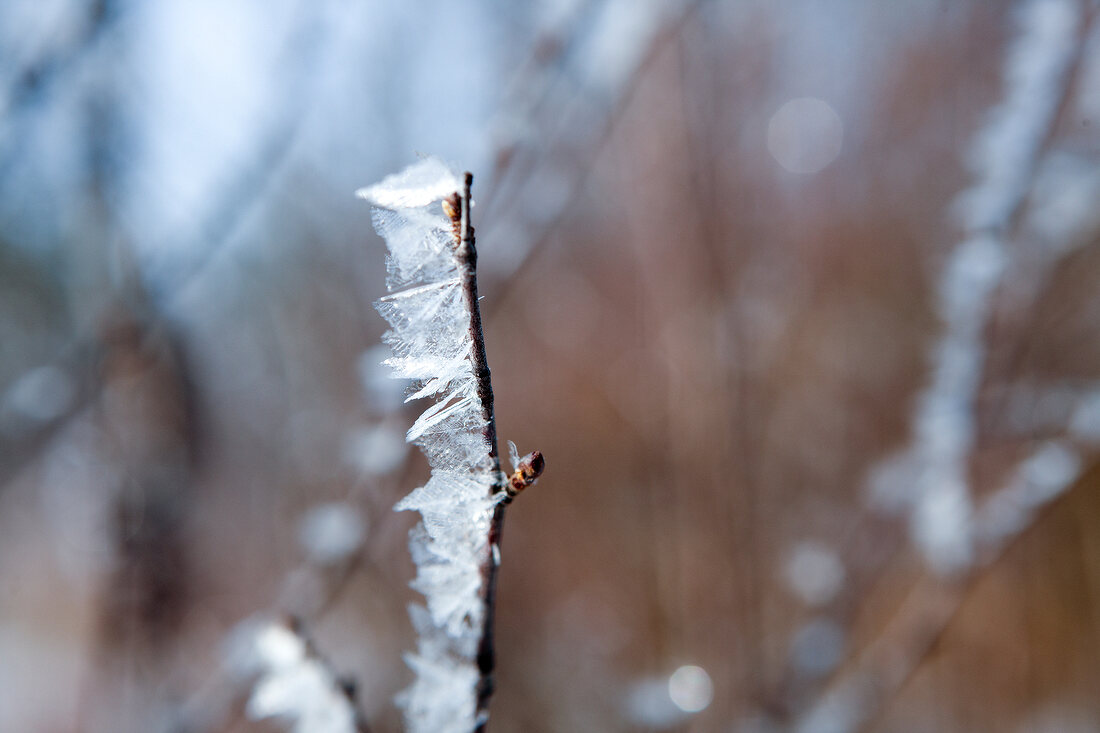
805	135
690	688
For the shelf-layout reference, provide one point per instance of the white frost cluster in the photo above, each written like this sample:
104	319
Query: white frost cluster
296	686
432	345
1003	161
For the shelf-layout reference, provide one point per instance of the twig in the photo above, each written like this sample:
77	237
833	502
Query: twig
467	256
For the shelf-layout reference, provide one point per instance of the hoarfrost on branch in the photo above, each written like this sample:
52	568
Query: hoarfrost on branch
432	345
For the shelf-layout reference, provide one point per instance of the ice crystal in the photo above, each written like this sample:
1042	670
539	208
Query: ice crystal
432	345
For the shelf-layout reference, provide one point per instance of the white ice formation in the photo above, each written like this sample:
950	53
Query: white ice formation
432	345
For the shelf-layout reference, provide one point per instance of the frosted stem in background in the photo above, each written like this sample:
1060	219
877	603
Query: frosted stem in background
437	342
955	539
1003	160
884	666
296	685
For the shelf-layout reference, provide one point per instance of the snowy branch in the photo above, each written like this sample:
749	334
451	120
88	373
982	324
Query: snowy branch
297	685
437	341
956	538
1003	158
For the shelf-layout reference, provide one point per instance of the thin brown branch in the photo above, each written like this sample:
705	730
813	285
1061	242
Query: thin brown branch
467	256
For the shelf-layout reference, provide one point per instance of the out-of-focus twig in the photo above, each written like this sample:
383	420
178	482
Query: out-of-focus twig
860	693
539	234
